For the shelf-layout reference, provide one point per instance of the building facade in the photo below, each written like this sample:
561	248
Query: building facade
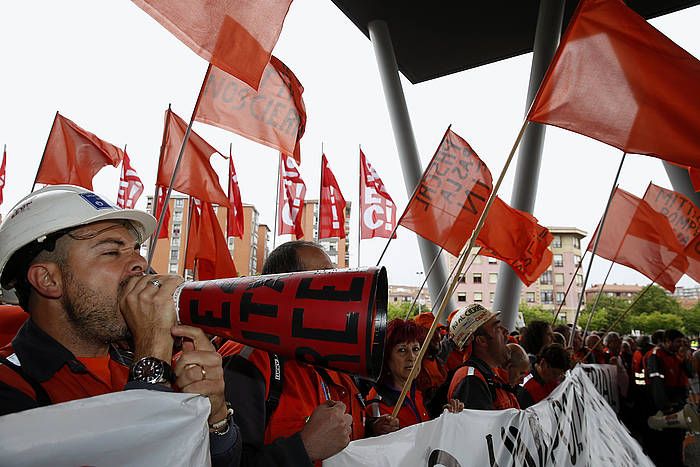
248	253
407	293
626	291
478	285
338	249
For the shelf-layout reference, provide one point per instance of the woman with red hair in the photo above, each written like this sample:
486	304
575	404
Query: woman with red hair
403	341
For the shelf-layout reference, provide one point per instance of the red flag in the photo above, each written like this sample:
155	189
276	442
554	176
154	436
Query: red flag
377	209
74	155
694	175
275	115
234	35
450	196
162	191
684	218
130	185
234	220
196	177
2	173
635	235
291	192
515	237
617	79
331	208
206	244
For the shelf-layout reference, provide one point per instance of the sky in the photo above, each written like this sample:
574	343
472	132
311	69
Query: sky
113	70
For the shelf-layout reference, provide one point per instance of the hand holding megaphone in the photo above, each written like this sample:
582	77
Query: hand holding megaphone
687	418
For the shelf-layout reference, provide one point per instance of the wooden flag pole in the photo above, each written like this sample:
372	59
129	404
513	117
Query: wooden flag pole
277	203
425	279
46	146
595	246
571	282
597	298
179	159
460	265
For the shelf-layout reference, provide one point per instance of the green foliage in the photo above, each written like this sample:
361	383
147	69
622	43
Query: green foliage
400	309
650	322
691	320
656	300
535	313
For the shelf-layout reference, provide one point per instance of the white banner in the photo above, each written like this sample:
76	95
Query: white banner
130	428
604	378
574	426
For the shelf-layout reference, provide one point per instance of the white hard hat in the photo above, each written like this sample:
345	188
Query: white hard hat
466	321
58	207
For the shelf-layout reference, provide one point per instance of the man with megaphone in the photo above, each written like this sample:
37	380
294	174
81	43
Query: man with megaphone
73	260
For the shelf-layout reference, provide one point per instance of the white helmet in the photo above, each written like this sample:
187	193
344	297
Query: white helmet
60	207
466	321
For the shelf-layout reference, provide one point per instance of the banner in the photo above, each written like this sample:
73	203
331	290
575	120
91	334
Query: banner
377	209
130	428
292	191
604	378
574	426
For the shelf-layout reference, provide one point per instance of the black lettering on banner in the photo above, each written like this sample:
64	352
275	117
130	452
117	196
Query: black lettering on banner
248	307
228	287
443	458
312	357
274	283
207	318
329	292
492	454
347	336
260	337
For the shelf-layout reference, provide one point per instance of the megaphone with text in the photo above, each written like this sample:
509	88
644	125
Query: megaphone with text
687	418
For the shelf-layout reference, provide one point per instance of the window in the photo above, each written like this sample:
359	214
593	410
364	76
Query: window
560	297
558	279
577	260
493	260
558	260
462	296
462	280
493	277
175	242
530	297
577	242
579	280
177	216
174	255
491	296
556	241
476	278
546	278
546	296
173	268
478	296
179	203
176	229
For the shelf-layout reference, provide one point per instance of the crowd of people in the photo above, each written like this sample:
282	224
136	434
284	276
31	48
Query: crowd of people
97	321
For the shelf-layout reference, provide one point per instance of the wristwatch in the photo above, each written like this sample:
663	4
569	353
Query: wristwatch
151	370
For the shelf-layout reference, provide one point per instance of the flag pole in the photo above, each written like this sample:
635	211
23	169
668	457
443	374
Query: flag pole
460	265
228	209
277	203
179	157
359	207
154	206
46	146
320	193
597	298
595	247
190	204
571	282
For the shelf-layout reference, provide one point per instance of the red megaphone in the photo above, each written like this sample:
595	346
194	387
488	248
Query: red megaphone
333	318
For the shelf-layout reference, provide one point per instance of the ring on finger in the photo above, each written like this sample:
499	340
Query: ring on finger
201	367
155	283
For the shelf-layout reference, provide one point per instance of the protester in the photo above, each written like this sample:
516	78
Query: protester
517	367
538	334
402	346
559	338
597	351
290	413
476	383
547	373
433	371
73	260
564	330
579	351
12	318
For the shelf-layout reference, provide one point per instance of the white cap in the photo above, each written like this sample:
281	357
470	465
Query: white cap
59	207
466	321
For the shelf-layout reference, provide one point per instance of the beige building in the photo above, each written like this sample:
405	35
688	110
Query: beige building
337	248
626	291
407	293
248	253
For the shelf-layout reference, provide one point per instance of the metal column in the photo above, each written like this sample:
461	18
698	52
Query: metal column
547	35
680	180
405	143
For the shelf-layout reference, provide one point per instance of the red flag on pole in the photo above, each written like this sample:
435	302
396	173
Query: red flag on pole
2	173
162	191
635	235
206	244
617	79
450	196
130	185
74	155
234	35
515	237
274	115
196	177
234	220
684	218
331	209
377	209
292	191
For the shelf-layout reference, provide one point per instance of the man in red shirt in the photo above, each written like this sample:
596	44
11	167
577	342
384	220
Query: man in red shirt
552	363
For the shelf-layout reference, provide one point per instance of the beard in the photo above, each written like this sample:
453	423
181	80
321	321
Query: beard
94	314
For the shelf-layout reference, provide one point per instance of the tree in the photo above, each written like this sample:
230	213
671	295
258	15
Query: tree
600	321
399	310
650	322
534	313
691	320
656	299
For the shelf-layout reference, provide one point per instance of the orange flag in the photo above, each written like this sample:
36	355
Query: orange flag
196	177
331	209
291	193
234	35
130	185
617	79
515	237
234	218
162	191
274	115
635	235
684	218
451	195
74	155
206	244
377	209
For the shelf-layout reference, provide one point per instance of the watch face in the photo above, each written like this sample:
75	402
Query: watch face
149	370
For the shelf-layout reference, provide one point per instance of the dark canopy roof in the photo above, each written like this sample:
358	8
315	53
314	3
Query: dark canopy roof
433	39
